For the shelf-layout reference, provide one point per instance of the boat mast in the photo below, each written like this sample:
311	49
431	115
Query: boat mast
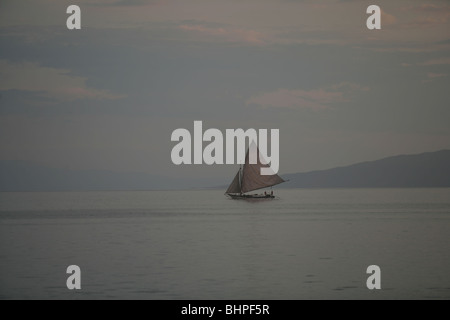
240	177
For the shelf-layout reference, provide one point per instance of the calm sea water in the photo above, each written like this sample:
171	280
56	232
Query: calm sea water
308	244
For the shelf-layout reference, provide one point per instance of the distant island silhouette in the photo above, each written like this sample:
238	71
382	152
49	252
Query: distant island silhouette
431	169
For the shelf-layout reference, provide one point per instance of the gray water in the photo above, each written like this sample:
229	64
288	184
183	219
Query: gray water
307	244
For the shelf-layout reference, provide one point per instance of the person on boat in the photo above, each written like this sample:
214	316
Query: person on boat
271	193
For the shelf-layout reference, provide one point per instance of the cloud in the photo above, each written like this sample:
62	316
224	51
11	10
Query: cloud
317	99
50	82
438	61
430	8
414	48
429	14
387	18
125	3
431	76
432	62
436	75
227	34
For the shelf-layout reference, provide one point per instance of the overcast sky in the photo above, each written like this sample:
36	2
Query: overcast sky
108	96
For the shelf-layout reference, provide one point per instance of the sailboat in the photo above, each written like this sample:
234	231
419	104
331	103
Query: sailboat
249	178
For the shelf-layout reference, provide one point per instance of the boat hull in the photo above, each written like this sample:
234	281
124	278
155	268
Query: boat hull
251	196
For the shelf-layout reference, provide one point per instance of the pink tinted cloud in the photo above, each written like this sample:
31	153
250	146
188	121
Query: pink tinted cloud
429	7
82	92
51	82
283	98
436	75
429	14
387	18
228	34
431	76
438	61
317	99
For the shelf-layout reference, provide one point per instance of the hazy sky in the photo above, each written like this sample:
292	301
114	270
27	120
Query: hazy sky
108	96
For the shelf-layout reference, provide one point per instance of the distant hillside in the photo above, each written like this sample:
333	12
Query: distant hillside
431	169
423	170
29	176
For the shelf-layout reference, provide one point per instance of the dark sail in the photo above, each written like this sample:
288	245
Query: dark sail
252	178
235	186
